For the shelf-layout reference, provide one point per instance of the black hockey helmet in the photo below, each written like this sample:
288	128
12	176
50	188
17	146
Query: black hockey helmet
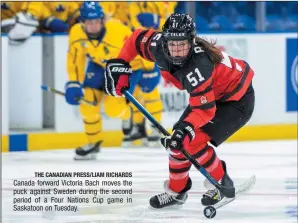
178	27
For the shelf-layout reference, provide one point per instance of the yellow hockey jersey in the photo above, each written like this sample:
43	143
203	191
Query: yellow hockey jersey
162	9
37	9
116	10
119	11
65	11
9	9
81	48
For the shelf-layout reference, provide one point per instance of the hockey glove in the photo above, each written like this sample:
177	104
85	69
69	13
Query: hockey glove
54	25
25	26
117	75
182	135
73	93
149	20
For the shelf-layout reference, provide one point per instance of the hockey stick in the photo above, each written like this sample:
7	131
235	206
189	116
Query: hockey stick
228	192
53	90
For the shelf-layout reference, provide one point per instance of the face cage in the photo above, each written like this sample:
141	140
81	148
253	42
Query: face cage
177	60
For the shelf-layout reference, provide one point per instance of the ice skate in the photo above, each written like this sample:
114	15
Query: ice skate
154	138
138	132
88	152
213	196
127	126
170	198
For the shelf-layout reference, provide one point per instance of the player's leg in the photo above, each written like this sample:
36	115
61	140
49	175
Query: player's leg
134	128
136	123
229	118
92	125
116	107
153	104
179	182
91	114
152	101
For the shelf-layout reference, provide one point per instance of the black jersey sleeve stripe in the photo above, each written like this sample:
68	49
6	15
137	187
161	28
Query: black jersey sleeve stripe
193	94
146	47
138	42
240	85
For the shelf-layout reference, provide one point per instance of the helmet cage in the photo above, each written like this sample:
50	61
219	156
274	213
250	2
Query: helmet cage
177	36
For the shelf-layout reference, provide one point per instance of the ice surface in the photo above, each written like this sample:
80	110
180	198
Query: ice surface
272	200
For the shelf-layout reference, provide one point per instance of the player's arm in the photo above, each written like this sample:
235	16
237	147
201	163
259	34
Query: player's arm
201	103
134	10
75	59
74	13
75	68
141	19
26	22
49	21
201	109
119	70
139	43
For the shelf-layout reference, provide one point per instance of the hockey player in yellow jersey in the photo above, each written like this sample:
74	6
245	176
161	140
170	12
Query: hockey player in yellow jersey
150	14
116	10
91	44
21	19
144	89
10	9
67	12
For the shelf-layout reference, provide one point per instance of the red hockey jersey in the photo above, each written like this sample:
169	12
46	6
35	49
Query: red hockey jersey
205	82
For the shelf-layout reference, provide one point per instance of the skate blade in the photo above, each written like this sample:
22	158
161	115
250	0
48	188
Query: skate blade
126	144
135	143
173	207
91	156
223	202
131	144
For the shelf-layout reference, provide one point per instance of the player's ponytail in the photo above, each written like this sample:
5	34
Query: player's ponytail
209	47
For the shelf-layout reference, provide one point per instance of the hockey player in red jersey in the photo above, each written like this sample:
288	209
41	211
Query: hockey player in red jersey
221	100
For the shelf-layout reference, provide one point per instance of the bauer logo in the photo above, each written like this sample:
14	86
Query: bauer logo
292	74
121	70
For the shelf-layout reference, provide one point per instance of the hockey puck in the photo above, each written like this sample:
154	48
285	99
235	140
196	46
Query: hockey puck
209	212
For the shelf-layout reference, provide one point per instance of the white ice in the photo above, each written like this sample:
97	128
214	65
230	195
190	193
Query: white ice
272	200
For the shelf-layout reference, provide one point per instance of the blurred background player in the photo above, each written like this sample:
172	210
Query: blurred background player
152	15
68	12
21	19
134	128
91	43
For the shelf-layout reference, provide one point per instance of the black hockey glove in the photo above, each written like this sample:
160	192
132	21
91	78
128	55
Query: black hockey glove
182	135
117	75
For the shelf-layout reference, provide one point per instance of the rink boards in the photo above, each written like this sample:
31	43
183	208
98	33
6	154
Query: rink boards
50	141
42	60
